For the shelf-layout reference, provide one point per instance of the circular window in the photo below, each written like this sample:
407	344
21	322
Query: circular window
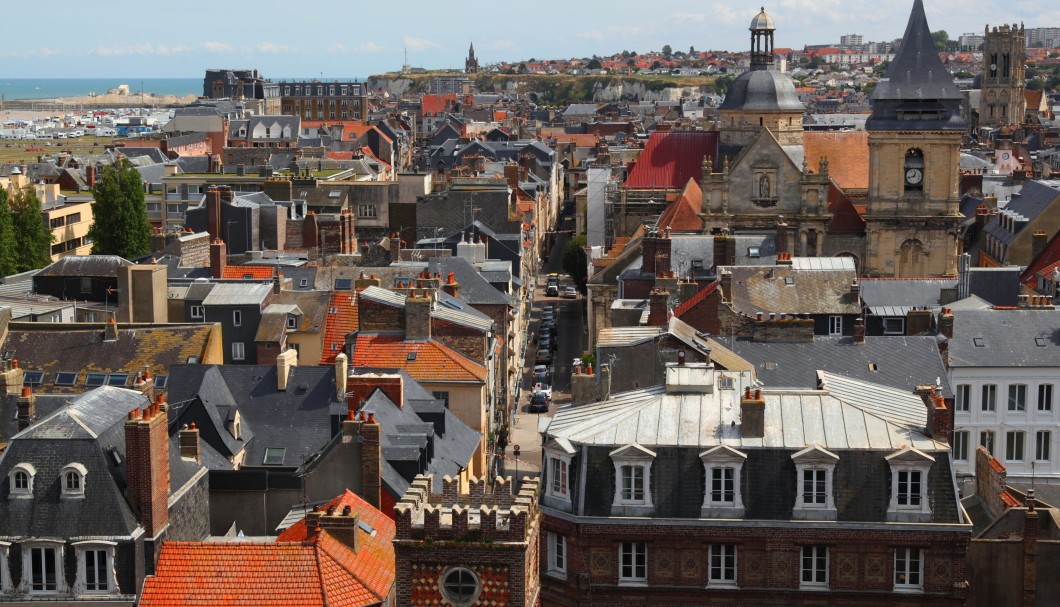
460	586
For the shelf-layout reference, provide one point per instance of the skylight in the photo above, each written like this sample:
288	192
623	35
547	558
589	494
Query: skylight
274	456
65	378
1039	341
979	342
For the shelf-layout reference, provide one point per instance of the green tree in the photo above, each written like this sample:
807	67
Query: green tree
7	237
721	84
691	50
120	226
594	64
667	51
33	240
575	261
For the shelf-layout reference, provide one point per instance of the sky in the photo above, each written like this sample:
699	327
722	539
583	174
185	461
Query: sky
355	38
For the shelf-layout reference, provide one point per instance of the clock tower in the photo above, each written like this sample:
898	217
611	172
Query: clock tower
915	134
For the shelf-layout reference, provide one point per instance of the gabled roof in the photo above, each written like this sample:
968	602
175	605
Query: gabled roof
682	215
474	288
85	265
341	320
425	361
671	158
249	272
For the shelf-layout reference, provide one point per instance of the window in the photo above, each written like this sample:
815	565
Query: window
93	380
557	477
960	446
42	571
1045	397
117	379
86	285
237	350
632	481
722	565
557	555
814	466
1041	445
292	322
1014	446
909	499
237	318
65	378
439	395
161	381
893	326
33	378
1017	397
722	465
964	396
366	210
20	480
986	440
721	485
633	563
73	481
197	312
909	487
908	570
274	456
989	402
814	567
94	570
835	325
460	586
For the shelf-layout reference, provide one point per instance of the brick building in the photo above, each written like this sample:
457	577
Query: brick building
477	547
316	100
687	491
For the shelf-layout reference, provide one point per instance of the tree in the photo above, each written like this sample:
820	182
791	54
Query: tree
33	239
721	84
7	237
575	261
691	51
594	64
120	226
667	51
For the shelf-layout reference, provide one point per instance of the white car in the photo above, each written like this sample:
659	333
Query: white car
542	388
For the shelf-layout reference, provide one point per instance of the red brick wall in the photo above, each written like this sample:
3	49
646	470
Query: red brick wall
469	342
147	467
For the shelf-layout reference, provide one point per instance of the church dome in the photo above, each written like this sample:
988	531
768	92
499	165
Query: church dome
762	90
762	21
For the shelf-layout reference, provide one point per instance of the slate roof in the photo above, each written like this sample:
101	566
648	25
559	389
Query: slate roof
1008	338
85	265
432	360
762	90
908	292
1034	199
474	288
899	362
784	289
671	158
312	305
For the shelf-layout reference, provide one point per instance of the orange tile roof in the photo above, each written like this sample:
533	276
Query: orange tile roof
683	214
693	301
338	324
340	155
847	153
433	361
248	272
433	105
581	140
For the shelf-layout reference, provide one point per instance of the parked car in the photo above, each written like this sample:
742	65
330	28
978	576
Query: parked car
546	344
539	403
541	374
542	388
552	291
544	356
570	293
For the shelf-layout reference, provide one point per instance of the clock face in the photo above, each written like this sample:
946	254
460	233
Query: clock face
1005	156
993	67
914	176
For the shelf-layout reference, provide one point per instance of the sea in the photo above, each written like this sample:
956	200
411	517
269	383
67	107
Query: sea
50	88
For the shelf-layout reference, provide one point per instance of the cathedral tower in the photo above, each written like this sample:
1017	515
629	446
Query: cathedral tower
1002	101
915	133
471	63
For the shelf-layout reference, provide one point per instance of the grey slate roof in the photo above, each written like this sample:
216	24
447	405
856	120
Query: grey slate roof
1009	338
85	265
474	288
904	292
236	294
899	362
784	289
762	90
1024	207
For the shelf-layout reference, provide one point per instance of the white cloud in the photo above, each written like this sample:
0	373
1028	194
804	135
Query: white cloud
613	32
369	47
273	48
696	17
26	54
213	46
142	49
500	44
419	44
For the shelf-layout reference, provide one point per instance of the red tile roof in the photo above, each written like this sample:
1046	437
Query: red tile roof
1044	262
671	158
693	301
846	216
683	214
847	153
434	105
433	360
341	320
248	272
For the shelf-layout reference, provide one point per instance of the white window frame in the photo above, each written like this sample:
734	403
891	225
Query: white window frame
962	398
78	472
21	493
82	548
903	566
28	566
1043	448
729	574
560	453
635	458
557	555
813	555
237	318
239	352
715	461
960	446
909	463
637	555
1045	397
835	325
292	321
5	571
197	312
811	459
1017	398
1014	438
889	329
988	398
559	477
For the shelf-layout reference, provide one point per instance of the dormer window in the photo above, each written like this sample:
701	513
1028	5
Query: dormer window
909	474
814	469
21	481
632	481
722	466
558	456
73	481
292	321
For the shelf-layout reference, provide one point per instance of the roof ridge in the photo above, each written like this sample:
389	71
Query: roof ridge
689	303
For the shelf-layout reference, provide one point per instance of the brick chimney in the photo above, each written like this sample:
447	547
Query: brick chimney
213	212
359	388
752	414
946	323
188	440
147	466
26	408
859	330
918	322
218	257
364	282
648	248
371	461
1038	242
451	286
286	361
724	250
855	291
783	237
340	524
939	416
418	315
90	176
658	310
342	373
663	249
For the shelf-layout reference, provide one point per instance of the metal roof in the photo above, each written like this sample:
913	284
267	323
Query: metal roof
237	294
626	336
897	406
822	263
889	310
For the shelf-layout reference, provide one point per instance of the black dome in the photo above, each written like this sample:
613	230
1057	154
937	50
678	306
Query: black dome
762	90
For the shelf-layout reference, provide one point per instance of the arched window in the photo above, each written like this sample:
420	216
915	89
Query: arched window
73	481
20	480
911	259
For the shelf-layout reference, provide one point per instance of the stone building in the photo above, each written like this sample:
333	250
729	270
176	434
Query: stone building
1002	101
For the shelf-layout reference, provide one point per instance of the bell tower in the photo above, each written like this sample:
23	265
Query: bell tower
915	134
1002	101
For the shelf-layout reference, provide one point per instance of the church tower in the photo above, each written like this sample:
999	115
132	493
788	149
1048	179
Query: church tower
915	133
1002	101
471	63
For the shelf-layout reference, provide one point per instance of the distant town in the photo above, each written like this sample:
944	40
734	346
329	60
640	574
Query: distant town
685	327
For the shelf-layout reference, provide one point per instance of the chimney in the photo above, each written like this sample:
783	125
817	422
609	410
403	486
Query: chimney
218	257
277	282
658	312
213	212
1030	552
946	323
359	388
147	466
648	248
189	442
342	372
286	361
783	259
855	291
110	330
605	380
364	282
226	194
340	524
724	250
725	282
1040	239
451	286
418	315
918	322
371	461
90	176
783	237
662	254
939	416
26	408
859	330
752	414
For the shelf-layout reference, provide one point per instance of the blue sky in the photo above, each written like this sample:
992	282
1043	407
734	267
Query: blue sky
333	39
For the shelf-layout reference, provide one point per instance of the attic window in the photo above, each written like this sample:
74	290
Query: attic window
303	282
1039	341
751	252
161	381
344	283
979	342
334	194
33	378
411	356
65	378
117	379
292	322
789	280
95	379
274	456
193	360
874	367
333	310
